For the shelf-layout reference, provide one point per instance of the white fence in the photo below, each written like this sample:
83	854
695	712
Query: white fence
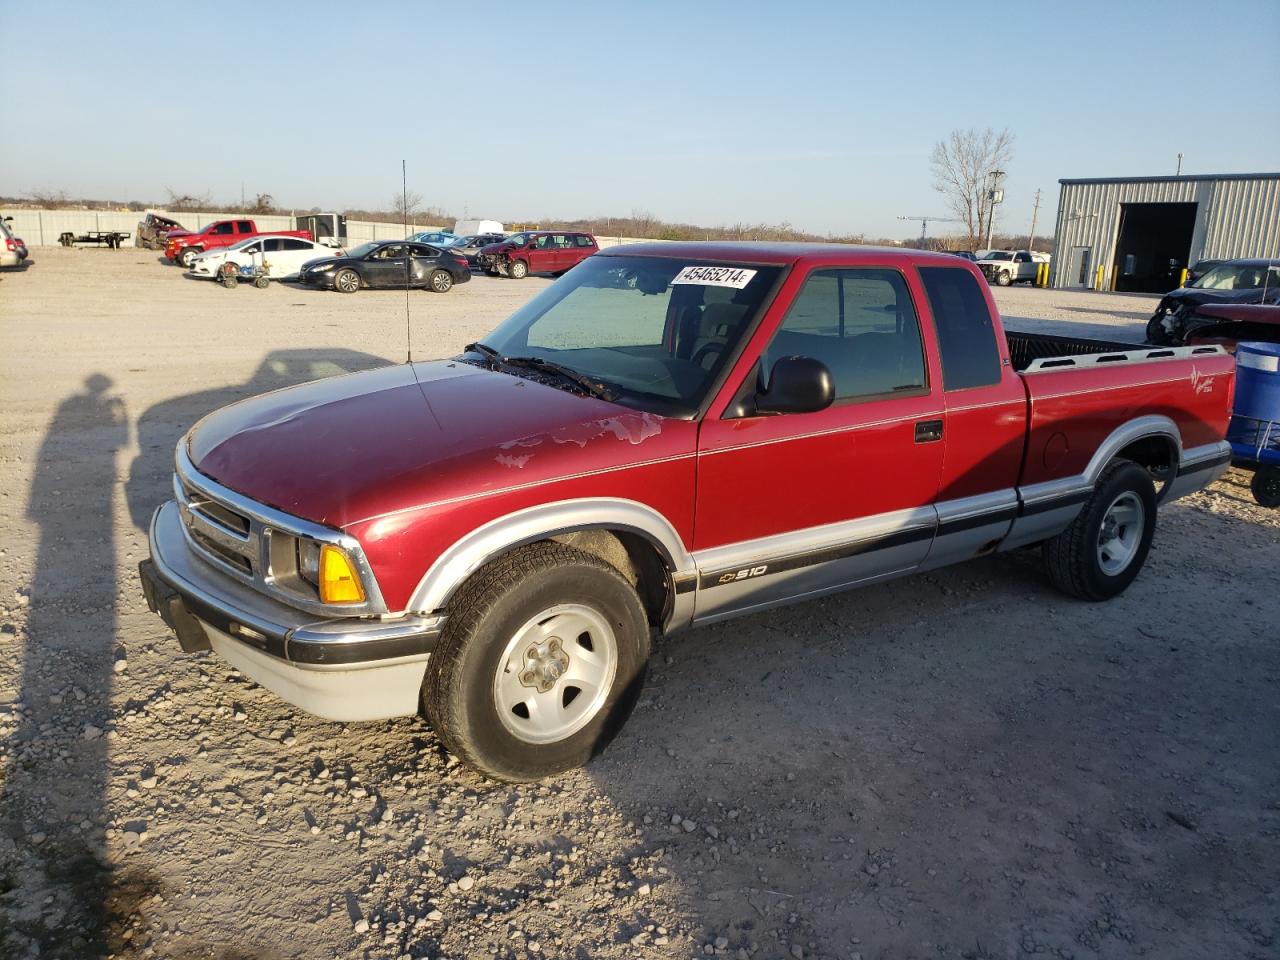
41	228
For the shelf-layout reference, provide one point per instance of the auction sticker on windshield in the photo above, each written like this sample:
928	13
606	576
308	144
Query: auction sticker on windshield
735	277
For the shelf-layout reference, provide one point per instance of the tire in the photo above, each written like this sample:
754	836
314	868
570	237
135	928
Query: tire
1003	278
1081	563
441	281
261	282
1265	486
1156	333
186	256
346	280
475	704
229	281
517	270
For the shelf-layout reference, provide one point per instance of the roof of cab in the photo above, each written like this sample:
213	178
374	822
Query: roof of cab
772	251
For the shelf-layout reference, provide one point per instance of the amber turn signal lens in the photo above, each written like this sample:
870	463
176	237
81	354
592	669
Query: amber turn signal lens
338	580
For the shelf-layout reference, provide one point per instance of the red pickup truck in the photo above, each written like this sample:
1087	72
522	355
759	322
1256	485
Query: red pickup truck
183	245
671	435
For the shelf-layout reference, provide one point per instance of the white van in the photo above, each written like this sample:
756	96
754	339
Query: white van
467	228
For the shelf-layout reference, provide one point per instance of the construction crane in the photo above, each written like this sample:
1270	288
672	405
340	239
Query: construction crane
924	224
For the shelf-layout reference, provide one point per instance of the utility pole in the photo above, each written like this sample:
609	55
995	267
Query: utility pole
994	195
1035	211
1179	173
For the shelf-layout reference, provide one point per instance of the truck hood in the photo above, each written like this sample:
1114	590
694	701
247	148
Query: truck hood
1196	296
346	449
176	234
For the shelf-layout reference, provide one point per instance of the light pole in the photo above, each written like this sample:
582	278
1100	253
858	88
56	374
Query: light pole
994	195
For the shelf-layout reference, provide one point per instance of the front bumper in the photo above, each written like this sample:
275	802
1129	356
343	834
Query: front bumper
319	278
341	669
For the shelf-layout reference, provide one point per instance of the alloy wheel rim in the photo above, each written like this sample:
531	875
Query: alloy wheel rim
1120	533
555	673
347	282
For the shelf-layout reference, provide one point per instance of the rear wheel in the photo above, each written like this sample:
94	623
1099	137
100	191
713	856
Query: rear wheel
261	282
1103	550
346	281
517	270
540	663
441	281
1266	486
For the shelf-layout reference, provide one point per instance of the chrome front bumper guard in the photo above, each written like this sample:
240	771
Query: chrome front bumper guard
179	585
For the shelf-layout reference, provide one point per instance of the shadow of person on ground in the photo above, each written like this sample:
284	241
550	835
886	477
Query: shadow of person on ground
53	869
161	426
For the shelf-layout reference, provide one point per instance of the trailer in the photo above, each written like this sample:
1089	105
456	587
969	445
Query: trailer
111	238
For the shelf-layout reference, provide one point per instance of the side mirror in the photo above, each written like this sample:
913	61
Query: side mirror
797	385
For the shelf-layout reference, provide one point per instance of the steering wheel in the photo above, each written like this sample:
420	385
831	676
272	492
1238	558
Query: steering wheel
706	350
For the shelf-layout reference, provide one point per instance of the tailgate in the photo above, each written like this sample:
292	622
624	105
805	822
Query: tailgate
1093	405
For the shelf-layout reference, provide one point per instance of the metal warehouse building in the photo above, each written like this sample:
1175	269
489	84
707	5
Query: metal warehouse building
1139	234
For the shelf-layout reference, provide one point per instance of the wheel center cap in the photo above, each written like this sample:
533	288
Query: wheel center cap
544	664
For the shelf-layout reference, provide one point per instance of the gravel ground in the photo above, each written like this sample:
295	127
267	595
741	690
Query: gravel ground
961	764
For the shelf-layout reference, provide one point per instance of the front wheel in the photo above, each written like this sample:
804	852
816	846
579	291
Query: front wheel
347	281
441	281
540	663
1265	486
1003	278
187	255
517	270
261	282
1156	332
1103	550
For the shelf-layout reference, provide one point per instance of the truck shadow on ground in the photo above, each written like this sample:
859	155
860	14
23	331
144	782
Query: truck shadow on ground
162	425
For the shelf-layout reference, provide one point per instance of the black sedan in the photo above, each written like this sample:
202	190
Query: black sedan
1231	282
385	264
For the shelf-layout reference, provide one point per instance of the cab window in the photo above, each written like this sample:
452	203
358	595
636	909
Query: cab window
861	323
966	333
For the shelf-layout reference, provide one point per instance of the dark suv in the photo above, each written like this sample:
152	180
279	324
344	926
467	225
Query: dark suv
537	251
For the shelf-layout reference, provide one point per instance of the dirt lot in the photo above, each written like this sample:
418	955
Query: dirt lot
962	764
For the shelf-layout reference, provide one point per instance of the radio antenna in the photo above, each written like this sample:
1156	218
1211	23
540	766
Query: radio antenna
404	208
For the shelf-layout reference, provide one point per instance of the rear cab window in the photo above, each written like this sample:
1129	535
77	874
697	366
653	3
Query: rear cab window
966	333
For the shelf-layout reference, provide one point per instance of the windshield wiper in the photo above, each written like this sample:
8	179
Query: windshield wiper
490	354
597	388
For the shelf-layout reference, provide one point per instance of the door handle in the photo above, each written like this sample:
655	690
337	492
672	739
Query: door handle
928	431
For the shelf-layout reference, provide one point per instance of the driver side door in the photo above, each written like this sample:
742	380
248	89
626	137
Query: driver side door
386	265
796	505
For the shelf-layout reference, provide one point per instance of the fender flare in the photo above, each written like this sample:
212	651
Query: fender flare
1140	428
467	555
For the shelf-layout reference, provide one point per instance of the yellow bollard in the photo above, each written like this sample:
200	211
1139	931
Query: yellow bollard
1098	282
1182	277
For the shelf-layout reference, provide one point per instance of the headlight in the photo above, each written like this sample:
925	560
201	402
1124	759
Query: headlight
323	267
314	570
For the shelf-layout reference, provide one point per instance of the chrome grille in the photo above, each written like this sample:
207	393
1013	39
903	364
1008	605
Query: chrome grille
234	534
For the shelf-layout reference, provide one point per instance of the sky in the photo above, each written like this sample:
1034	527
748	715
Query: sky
821	114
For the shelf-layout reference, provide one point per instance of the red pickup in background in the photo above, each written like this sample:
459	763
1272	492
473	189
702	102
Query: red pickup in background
182	246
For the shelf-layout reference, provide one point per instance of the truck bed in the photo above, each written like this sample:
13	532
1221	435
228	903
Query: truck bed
1026	348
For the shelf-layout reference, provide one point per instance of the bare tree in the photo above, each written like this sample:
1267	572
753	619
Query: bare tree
962	167
49	199
187	202
406	204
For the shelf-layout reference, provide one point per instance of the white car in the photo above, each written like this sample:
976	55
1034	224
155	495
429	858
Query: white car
280	258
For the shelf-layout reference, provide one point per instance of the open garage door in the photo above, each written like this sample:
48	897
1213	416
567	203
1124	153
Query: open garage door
1152	246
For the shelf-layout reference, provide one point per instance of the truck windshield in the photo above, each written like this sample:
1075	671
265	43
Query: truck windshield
998	255
656	330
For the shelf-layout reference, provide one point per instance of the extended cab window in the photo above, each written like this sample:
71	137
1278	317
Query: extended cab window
861	324
966	335
244	226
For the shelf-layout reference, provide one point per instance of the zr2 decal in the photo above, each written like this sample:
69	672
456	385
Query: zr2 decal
747	574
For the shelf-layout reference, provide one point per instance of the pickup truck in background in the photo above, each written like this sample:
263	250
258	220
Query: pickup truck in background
181	246
1003	267
672	435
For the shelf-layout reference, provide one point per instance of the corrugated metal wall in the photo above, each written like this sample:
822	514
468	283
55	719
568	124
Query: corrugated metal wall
1234	218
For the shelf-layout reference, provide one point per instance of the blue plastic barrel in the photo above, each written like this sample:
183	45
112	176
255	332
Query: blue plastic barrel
1258	380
